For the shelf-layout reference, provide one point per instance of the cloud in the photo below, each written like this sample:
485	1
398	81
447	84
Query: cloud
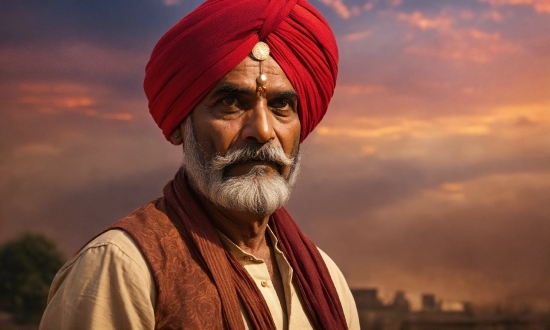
49	103
491	135
37	149
417	19
171	3
71	58
436	206
357	35
344	11
51	97
471	44
483	239
58	98
339	7
368	6
541	6
392	131
394	3
426	175
358	89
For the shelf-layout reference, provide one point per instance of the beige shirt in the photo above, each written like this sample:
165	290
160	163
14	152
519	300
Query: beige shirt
108	285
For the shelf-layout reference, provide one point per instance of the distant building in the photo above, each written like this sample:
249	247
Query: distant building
397	315
428	303
367	299
374	315
400	302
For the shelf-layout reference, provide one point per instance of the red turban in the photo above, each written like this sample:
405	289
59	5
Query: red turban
190	59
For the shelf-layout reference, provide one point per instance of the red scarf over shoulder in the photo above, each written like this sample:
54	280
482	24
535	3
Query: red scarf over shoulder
200	283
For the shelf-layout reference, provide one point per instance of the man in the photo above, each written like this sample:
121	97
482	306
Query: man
238	83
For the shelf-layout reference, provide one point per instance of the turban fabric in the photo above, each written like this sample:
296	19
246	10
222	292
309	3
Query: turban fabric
190	59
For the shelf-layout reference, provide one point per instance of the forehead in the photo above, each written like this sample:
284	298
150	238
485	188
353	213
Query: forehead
248	70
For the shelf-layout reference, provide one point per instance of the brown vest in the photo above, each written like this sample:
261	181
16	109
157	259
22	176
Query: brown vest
201	285
186	295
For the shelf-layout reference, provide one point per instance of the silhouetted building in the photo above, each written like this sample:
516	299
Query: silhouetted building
428	303
400	302
374	315
440	320
397	315
366	298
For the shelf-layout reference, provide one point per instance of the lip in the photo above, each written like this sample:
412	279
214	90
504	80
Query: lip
245	167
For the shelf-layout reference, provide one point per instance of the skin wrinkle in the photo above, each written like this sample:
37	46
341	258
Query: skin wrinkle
254	192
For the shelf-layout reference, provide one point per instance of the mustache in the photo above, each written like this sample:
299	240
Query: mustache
250	153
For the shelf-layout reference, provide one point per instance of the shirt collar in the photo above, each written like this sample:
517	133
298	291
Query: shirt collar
240	253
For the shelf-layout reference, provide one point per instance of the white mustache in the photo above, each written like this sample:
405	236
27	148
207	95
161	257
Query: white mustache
266	153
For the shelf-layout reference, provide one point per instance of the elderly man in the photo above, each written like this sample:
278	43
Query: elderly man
238	83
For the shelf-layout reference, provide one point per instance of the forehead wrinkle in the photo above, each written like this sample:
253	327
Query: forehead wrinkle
242	79
228	87
268	66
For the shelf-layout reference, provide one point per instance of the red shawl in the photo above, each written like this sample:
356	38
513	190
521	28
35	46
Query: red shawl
200	283
313	280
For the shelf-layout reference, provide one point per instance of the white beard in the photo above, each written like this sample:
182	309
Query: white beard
255	192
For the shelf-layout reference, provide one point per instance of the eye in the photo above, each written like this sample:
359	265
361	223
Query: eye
232	103
281	106
280	103
229	101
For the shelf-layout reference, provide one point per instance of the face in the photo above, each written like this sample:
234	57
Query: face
239	141
235	114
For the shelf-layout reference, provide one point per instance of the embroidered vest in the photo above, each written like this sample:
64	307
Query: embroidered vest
186	295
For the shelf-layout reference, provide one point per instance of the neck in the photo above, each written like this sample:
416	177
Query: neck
245	229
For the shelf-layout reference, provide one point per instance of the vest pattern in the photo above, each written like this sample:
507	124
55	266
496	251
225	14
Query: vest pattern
186	295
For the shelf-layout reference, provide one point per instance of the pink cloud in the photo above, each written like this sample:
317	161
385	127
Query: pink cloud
339	7
359	89
417	19
394	3
357	35
455	44
345	11
170	3
541	6
82	58
58	98
469	45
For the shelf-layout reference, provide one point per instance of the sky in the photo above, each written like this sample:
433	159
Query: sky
430	172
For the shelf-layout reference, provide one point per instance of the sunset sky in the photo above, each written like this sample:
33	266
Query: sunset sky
430	172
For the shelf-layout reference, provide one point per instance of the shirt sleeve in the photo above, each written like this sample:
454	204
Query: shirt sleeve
346	298
107	285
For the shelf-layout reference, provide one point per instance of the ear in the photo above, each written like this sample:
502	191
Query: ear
176	137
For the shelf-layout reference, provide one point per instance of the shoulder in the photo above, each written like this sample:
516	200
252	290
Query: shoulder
344	293
114	247
108	276
110	253
114	240
335	273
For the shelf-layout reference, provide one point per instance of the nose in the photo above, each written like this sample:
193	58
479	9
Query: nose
258	125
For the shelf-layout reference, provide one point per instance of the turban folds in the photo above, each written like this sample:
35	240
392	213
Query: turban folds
190	59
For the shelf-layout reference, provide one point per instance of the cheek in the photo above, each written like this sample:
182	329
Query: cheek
219	136
290	139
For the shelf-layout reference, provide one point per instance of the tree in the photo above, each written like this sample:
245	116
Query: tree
27	268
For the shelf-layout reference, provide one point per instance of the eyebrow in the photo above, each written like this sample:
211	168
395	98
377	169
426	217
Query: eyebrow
229	88
288	94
